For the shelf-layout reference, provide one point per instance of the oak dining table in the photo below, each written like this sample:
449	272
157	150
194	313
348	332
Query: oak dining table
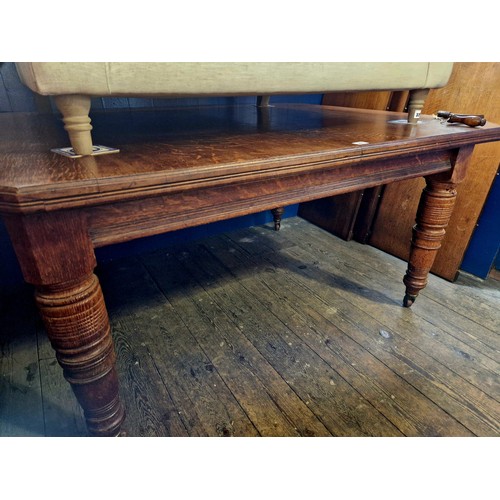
180	167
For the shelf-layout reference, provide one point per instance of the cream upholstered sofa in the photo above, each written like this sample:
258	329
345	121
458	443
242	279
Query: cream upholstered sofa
73	84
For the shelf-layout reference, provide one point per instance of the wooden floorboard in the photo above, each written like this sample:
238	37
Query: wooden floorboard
396	351
264	333
326	329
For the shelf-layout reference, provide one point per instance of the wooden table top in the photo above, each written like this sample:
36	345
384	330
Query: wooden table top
189	145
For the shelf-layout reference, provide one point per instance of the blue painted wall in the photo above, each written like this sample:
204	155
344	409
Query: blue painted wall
483	251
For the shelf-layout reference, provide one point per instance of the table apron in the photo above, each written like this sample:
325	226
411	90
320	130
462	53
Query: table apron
123	221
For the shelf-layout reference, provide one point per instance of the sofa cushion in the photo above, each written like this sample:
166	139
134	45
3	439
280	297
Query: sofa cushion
183	79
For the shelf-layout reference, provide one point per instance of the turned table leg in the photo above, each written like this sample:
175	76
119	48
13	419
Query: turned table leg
277	214
433	214
77	325
56	255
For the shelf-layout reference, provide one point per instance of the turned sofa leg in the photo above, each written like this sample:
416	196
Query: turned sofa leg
75	110
263	101
416	103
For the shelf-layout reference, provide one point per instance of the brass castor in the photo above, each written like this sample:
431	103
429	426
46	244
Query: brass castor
409	300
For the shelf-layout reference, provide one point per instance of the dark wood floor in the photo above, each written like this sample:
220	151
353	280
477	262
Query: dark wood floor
257	333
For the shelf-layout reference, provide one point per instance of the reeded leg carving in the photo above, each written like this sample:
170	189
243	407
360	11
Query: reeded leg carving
416	103
77	325
75	110
433	215
277	213
56	255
